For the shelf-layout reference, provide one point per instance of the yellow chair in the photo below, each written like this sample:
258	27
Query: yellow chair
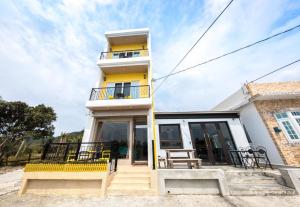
106	154
71	157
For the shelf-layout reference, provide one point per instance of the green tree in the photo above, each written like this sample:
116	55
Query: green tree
20	122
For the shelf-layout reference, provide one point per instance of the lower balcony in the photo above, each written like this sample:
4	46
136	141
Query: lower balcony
122	97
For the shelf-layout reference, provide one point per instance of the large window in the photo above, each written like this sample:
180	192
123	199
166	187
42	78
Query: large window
170	136
114	132
289	122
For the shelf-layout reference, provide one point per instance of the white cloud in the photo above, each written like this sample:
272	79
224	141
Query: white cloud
243	23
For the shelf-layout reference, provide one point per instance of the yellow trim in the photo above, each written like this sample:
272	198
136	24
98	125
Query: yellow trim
125	77
139	46
74	167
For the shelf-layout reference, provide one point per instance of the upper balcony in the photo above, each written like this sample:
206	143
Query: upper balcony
120	97
126	47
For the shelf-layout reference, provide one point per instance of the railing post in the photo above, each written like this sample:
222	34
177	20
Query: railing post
78	149
45	150
29	155
66	152
92	92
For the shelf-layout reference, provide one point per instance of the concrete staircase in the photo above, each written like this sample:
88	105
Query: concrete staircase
130	180
255	183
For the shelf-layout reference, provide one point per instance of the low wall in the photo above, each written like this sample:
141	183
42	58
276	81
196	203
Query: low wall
192	181
291	177
72	179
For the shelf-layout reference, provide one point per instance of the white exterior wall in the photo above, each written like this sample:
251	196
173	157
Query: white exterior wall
258	132
87	135
234	124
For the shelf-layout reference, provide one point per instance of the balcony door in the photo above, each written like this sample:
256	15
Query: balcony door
211	141
123	90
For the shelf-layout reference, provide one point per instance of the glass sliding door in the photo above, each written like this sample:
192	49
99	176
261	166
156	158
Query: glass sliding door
116	132
201	143
217	142
212	141
140	143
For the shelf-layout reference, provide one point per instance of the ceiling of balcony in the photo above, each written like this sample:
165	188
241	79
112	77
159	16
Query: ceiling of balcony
125	69
123	40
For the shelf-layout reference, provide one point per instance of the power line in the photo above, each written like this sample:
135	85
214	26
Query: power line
229	53
274	71
194	45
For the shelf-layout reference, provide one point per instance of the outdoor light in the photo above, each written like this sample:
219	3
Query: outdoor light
277	130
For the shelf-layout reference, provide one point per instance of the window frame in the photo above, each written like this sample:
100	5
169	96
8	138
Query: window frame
180	136
293	123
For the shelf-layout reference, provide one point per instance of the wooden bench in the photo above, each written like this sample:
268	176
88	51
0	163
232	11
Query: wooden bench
189	159
191	162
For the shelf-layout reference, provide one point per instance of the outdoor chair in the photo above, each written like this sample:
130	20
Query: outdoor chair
247	157
262	159
71	157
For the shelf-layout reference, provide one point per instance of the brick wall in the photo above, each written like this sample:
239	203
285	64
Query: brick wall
291	87
289	152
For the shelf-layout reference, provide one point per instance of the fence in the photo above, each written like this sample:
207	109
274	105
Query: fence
22	160
82	152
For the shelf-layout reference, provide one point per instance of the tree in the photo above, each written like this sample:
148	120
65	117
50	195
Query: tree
20	122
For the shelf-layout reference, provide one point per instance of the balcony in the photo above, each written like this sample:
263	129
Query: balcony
122	58
123	97
123	54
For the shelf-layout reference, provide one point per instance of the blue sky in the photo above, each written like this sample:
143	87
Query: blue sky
49	49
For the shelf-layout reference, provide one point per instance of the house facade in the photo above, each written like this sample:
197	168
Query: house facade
120	105
210	134
270	113
120	111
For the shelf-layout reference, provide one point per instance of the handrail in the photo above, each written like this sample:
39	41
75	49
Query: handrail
123	54
123	92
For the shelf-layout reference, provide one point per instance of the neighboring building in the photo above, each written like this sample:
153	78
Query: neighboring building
120	105
210	133
270	113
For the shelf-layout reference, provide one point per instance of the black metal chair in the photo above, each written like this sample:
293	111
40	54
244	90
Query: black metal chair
262	159
247	157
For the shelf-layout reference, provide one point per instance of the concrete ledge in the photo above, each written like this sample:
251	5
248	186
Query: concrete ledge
192	181
291	177
64	183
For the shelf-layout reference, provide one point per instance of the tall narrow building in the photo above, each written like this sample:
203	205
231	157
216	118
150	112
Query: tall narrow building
120	105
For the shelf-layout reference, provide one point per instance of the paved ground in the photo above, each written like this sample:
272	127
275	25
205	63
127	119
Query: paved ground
10	181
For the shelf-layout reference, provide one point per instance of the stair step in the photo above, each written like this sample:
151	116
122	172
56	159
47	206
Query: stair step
134	171
132	175
260	189
244	173
253	180
116	192
131	186
131	180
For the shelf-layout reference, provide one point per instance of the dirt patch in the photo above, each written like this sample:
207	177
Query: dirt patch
7	169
